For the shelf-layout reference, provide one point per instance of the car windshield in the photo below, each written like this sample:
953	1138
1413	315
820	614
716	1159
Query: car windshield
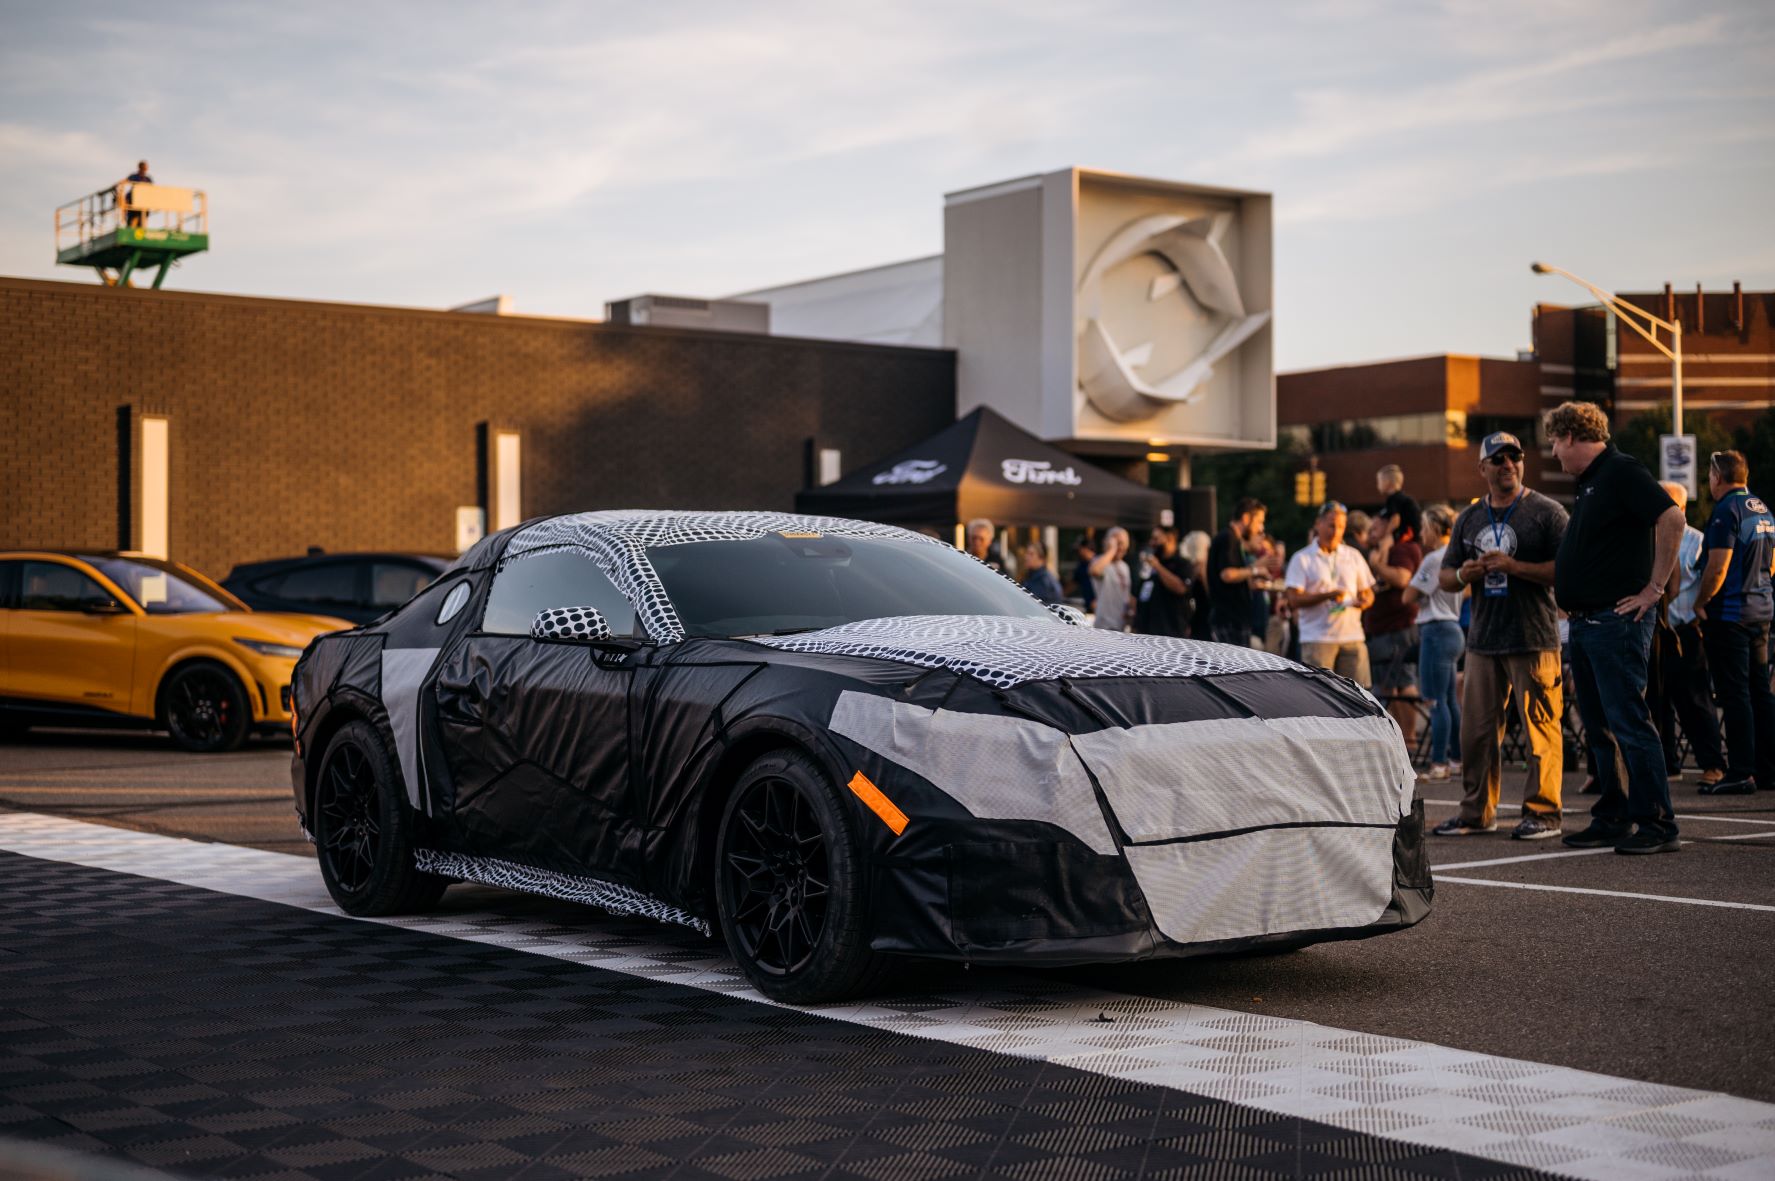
785	583
162	588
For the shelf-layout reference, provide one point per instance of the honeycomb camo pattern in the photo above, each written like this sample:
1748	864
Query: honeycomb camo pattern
1004	652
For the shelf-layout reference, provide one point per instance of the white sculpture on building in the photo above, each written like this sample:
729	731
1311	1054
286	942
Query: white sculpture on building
1198	274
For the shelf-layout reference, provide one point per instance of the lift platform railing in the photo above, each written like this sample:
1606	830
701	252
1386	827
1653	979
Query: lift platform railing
95	216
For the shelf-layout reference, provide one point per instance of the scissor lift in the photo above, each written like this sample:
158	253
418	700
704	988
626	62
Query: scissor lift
129	226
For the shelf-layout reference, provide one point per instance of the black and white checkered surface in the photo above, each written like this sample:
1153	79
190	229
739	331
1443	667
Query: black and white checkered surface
203	1031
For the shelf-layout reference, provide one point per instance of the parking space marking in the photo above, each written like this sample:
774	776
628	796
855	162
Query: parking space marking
1437	869
1606	893
1519	1112
1582	811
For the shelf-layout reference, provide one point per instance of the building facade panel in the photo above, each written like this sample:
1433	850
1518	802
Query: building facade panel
295	424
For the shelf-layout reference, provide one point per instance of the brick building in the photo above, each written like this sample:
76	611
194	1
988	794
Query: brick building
290	424
1426	414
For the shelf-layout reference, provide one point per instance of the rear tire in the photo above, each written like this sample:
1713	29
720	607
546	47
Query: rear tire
204	707
363	829
789	885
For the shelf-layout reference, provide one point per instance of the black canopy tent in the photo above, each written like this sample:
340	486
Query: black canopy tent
984	466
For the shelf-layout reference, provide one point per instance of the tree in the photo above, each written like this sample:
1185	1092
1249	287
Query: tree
1638	437
1267	475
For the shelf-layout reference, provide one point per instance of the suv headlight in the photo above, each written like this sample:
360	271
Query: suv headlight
267	648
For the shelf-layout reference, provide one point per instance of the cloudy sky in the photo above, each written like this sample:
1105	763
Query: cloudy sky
568	153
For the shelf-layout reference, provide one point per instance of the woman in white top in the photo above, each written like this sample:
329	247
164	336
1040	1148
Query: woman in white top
1440	644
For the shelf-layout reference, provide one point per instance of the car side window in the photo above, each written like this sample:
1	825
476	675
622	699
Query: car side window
566	579
392	584
50	586
327	582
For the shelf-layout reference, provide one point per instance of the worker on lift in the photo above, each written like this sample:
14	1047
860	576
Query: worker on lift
135	217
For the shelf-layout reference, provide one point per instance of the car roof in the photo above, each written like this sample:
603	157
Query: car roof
271	565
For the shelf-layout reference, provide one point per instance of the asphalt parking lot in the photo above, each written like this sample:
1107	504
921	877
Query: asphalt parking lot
1648	968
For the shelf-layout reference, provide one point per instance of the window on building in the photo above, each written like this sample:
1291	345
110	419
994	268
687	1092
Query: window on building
1446	428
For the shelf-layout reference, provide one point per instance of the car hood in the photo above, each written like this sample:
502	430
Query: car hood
1004	651
273	627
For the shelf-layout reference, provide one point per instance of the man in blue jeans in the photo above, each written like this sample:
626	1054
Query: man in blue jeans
1735	586
1615	562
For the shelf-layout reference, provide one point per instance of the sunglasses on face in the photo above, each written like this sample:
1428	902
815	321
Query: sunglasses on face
1504	457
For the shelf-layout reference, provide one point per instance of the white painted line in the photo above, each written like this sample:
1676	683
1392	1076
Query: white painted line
1606	893
1529	1114
1437	869
1583	811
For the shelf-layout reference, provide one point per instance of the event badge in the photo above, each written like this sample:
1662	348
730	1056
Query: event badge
1497	584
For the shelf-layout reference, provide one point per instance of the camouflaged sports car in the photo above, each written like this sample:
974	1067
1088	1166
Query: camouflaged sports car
840	743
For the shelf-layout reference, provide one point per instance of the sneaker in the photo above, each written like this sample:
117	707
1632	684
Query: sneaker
1647	842
1536	828
1729	787
1454	769
1709	778
1597	836
1436	774
1591	787
1461	828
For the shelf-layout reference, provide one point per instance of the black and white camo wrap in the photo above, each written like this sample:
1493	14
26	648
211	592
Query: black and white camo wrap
607	896
1004	652
618	540
570	623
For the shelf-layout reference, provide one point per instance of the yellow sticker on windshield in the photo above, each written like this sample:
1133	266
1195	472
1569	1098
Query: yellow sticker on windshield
797	536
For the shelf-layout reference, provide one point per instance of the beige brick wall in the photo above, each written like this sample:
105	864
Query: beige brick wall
353	427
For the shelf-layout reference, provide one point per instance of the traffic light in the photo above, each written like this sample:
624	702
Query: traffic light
1303	488
1318	488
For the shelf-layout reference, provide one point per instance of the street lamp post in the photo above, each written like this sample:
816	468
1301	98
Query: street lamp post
1649	329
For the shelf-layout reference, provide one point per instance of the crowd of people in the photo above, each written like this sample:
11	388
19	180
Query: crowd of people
1459	619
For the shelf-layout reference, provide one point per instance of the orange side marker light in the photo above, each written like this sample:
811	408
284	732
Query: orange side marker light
878	803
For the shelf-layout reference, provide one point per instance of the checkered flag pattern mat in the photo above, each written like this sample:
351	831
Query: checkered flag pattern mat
180	1001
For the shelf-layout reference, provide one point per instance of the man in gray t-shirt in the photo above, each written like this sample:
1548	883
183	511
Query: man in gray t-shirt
1501	551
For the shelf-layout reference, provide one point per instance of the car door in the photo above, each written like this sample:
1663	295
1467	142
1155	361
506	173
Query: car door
535	732
72	640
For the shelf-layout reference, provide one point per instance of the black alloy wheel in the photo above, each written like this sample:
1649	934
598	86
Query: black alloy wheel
204	708
350	814
363	829
789	885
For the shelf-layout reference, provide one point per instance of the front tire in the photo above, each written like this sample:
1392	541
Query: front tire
363	829
789	885
204	707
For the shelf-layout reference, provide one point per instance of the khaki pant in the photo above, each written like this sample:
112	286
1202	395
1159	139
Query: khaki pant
1535	678
1347	659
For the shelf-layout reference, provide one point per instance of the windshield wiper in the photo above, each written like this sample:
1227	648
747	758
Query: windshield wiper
783	631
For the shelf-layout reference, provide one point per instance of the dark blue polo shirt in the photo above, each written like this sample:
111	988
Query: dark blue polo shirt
1741	523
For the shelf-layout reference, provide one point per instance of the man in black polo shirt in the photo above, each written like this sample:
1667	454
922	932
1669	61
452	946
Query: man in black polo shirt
1233	574
1614	565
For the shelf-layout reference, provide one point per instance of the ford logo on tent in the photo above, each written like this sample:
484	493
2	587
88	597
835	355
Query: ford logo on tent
911	471
1037	471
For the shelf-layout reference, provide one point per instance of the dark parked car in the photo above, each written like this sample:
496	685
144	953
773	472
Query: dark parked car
359	587
837	743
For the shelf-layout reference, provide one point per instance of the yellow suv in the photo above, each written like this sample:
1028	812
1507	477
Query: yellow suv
124	640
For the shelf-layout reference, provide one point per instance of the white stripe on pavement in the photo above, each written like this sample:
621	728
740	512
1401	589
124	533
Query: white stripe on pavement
1606	893
1582	811
1530	1114
1437	869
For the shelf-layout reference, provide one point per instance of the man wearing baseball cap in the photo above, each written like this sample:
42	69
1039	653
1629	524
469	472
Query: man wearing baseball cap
1501	551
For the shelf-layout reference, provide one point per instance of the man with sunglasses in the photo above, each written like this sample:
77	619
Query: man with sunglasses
1735	586
1614	566
1501	550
